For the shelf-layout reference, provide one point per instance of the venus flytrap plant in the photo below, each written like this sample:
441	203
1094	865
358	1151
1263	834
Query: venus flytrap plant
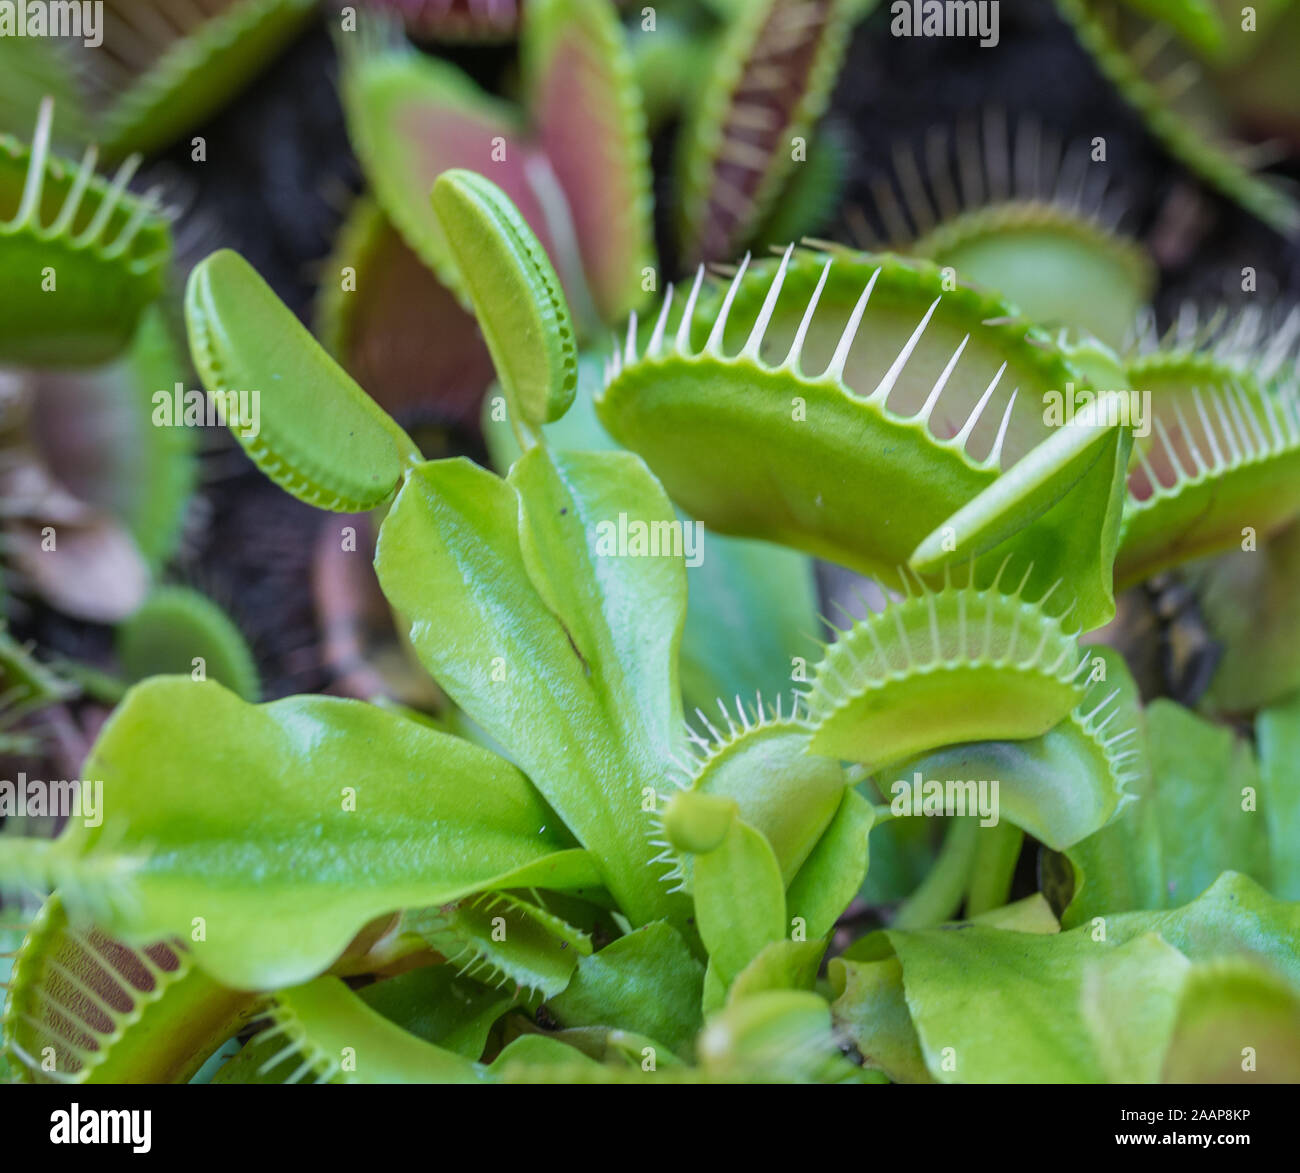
411	118
1139	53
82	257
511	904
598	642
1221	443
997	660
776	408
1007	207
82	1008
768	85
163	69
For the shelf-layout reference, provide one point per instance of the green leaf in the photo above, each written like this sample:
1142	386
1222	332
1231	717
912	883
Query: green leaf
440	1006
773	409
291	832
1209	823
941	669
563	654
871	1009
647	982
1098	1002
751	606
739	899
779	1036
1249	603
1237	1023
835	869
765	767
1061	264
779	965
309	428
515	292
1277	735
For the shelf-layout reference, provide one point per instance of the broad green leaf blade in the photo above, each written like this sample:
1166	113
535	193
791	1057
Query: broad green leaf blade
291	832
779	965
1200	810
298	415
647	982
1249	603
1207	795
515	293
585	103
992	1005
177	631
751	606
562	653
739	899
440	1006
834	871
1237	1023
870	1008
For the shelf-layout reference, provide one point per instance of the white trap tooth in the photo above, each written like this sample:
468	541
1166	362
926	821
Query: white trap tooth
841	356
769	307
890	377
941	382
73	203
714	344
682	343
657	338
630	356
792	359
995	455
115	194
961	438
